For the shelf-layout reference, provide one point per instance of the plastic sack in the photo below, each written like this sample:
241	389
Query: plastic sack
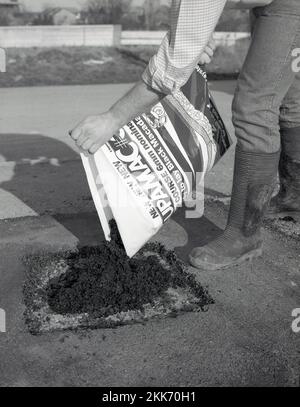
152	166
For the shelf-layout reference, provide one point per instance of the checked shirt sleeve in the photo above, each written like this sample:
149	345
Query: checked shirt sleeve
192	24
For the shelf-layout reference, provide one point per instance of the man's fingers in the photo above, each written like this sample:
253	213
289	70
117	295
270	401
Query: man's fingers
92	133
212	44
94	148
205	59
75	133
87	144
209	52
81	139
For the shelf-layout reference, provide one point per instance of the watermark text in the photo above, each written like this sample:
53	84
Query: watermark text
296	321
2	321
296	61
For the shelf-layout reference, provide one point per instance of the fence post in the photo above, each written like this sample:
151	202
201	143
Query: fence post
2	60
117	35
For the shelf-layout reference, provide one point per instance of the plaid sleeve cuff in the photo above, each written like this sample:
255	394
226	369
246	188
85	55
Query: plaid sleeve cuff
166	81
192	23
161	74
157	79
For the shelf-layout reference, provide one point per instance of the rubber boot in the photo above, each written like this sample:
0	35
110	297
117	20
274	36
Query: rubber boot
253	184
287	202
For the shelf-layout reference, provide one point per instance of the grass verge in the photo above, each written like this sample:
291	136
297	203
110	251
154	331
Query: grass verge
96	65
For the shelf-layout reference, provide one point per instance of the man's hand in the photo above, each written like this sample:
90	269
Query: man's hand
208	52
93	132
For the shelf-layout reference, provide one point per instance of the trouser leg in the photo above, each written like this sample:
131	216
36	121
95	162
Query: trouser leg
287	201
263	84
265	80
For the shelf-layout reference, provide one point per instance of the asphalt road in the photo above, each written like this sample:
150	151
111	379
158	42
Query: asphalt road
36	151
245	339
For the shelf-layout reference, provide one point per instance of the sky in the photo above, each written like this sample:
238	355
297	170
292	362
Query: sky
38	5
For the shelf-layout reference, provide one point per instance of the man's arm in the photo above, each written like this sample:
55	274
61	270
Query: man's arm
192	24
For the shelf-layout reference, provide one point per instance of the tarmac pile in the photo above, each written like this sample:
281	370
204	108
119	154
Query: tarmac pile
103	280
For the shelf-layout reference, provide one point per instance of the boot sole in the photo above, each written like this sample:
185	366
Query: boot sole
215	267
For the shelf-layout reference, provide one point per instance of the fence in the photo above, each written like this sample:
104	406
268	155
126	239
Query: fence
142	37
90	35
155	37
56	36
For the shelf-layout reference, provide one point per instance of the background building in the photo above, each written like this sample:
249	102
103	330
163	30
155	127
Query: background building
9	6
61	16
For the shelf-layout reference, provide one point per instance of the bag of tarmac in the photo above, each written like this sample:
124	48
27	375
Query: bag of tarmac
155	163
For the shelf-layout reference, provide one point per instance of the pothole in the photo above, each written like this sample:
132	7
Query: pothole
100	287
